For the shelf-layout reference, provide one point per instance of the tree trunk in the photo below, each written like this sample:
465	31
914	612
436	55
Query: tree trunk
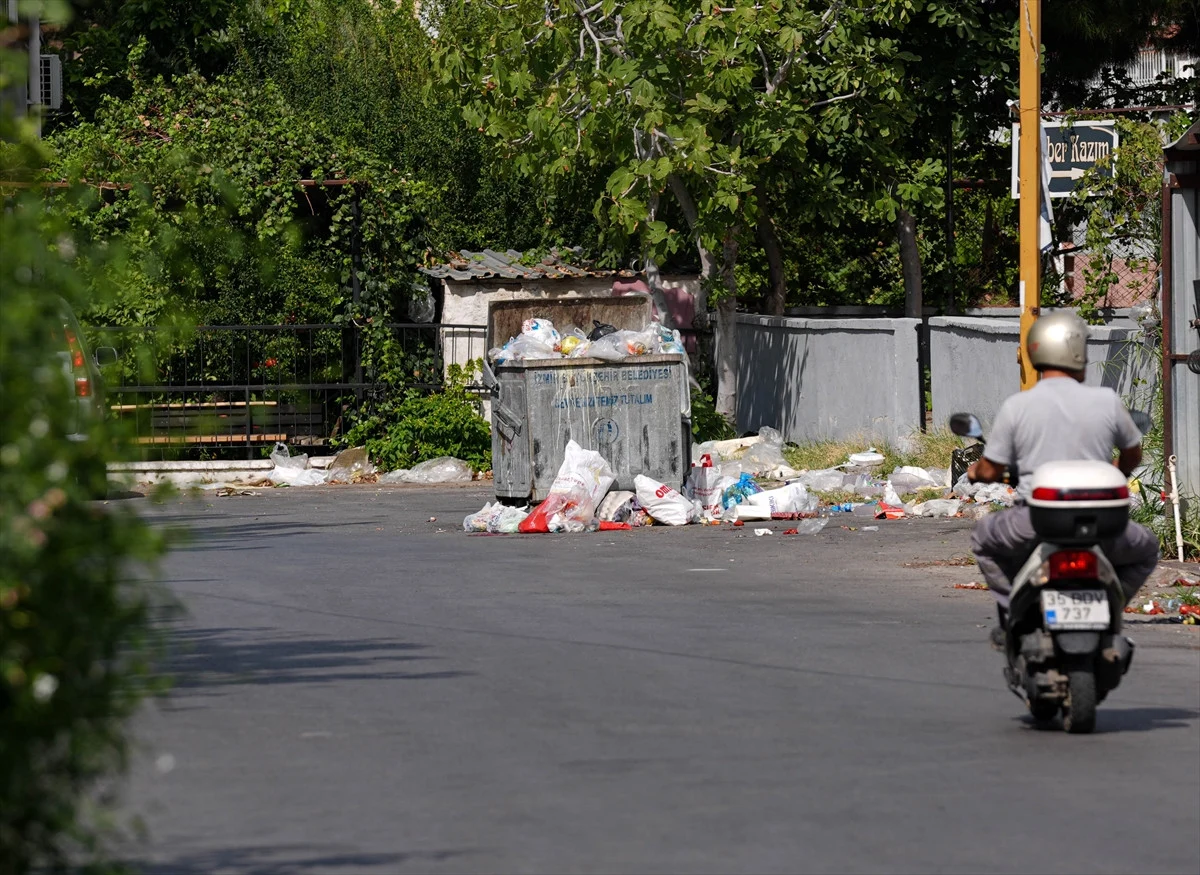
727	334
708	263
910	263
654	279
777	297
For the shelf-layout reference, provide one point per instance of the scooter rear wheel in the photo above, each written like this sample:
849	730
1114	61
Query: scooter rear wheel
1079	711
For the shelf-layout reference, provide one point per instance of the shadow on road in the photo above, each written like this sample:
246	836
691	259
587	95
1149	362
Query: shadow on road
288	859
1111	720
244	534
202	659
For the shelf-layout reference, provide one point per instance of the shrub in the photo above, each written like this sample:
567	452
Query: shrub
418	426
75	622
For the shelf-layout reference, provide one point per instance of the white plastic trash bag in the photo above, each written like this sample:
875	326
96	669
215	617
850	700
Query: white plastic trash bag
283	458
582	480
706	485
507	521
444	469
909	478
793	498
766	456
478	521
664	504
998	492
292	470
823	480
938	507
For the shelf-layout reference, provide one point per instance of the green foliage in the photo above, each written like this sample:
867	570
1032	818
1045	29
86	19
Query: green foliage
362	70
208	208
402	430
707	104
707	424
75	633
1122	214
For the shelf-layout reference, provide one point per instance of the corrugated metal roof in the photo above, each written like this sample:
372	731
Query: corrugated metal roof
489	264
1188	143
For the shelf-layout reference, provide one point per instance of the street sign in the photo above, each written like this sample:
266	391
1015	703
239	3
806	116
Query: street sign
1070	149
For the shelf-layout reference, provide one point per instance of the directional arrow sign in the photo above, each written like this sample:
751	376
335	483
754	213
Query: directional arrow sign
1070	150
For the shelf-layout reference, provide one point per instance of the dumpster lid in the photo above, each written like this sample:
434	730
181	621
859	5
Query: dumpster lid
505	317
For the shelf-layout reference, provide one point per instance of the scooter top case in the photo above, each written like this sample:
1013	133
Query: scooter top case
1078	502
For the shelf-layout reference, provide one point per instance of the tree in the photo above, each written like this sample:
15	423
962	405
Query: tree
361	70
201	163
75	604
704	105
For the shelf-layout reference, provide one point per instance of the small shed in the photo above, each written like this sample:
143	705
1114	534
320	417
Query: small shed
470	281
1181	306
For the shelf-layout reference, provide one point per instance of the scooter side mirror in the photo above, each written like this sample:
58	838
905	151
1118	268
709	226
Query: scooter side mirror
966	425
1142	420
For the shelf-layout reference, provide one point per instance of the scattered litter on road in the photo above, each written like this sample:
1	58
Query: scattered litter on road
972	585
758	533
938	507
811	527
870	528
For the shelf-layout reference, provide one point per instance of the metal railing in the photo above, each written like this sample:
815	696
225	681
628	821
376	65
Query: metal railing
222	388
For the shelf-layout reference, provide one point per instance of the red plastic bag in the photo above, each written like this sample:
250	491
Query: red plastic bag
582	480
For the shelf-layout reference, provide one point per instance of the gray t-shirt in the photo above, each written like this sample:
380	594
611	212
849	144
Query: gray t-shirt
1059	419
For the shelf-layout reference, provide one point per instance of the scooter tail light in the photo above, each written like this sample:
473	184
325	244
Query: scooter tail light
1072	564
1049	493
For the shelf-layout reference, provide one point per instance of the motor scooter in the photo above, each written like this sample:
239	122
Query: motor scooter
1063	642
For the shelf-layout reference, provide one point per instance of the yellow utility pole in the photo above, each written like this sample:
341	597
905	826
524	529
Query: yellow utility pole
1030	170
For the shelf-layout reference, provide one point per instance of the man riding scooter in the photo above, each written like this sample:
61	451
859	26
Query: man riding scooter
1059	419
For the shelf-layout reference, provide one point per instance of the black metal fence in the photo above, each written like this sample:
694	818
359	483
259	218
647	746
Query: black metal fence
235	389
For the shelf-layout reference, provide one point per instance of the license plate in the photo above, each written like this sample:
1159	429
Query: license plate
1075	609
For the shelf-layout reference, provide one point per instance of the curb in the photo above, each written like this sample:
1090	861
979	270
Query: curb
190	473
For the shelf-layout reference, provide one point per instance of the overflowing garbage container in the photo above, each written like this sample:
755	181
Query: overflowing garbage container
596	371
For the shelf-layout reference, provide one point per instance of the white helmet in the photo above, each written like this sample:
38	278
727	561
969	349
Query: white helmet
1058	340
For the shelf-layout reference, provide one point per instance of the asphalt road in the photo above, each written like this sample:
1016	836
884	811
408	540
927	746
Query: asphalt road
361	689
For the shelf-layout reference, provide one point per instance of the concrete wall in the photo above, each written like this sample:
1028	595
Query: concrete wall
973	364
1185	285
815	379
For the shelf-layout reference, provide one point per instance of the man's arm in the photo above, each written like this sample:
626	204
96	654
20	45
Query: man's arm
986	471
1127	439
1000	453
1129	459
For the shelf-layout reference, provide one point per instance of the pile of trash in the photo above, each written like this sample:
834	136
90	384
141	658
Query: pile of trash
580	500
539	339
353	466
724	485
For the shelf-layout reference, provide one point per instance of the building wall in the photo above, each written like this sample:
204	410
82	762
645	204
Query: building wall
973	364
1185	285
816	379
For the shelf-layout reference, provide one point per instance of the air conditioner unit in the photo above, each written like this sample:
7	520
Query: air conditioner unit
51	82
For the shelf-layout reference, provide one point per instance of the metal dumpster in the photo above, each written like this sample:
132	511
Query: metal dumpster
635	412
